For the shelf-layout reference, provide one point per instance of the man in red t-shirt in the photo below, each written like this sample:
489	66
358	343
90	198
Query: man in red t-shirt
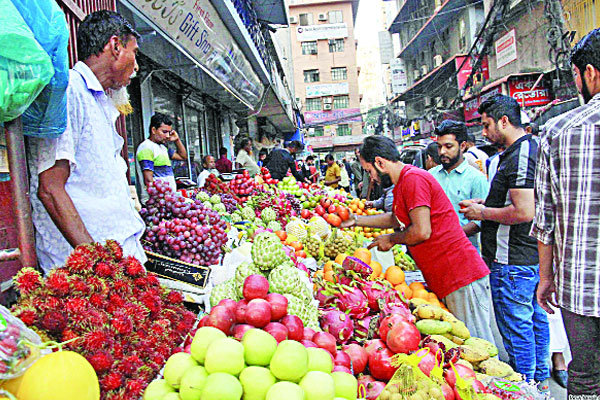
451	266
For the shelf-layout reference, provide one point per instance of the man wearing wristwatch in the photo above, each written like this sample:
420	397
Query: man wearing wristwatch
427	223
506	246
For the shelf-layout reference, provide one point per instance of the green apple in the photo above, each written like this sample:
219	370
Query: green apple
290	361
318	385
172	396
346	385
192	383
202	339
256	382
222	386
225	355
285	391
319	360
157	389
259	347
176	366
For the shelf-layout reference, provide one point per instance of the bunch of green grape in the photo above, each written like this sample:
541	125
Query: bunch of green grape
403	260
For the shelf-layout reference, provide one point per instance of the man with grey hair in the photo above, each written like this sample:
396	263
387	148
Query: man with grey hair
474	156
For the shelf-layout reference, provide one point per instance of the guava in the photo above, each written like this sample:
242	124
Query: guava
285	391
319	360
346	385
192	383
256	382
202	339
290	361
221	386
318	385
176	366
157	389
259	347
225	355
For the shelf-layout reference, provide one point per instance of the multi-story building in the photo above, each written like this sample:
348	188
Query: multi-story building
326	72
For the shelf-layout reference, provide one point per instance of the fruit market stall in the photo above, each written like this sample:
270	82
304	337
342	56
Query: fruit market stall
295	307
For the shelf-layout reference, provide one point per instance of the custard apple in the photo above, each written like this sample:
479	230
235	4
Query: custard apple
220	208
248	213
225	290
208	205
284	279
267	251
295	306
268	215
236	217
203	196
296	228
274	226
215	199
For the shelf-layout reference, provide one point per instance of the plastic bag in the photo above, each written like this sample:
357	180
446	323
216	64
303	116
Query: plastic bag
47	116
18	345
25	68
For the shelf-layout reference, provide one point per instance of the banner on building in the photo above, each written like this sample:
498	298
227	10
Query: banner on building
464	70
327	89
506	49
321	31
472	105
399	77
195	26
320	141
521	89
339	116
386	47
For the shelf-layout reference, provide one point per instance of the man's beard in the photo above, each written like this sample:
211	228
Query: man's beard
585	92
383	178
120	98
451	163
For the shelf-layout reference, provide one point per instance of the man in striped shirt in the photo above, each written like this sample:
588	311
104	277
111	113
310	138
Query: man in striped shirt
567	224
508	249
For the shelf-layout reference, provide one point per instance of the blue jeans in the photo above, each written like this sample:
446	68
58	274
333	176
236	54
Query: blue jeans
523	324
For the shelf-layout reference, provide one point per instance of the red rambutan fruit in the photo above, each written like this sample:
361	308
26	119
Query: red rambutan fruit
111	381
57	282
27	280
102	361
104	270
114	248
132	266
54	322
27	315
96	340
175	297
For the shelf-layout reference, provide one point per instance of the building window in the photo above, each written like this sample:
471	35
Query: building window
336	45
306	19
311	75
335	17
339	74
313	104
310	47
341	102
318	131
343	130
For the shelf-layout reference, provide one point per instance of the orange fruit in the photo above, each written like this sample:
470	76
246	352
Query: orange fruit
340	258
421	294
377	268
363	254
318	272
329	276
416	285
432	298
404	289
328	267
394	275
361	205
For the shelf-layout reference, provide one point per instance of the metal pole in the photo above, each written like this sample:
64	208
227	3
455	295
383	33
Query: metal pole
187	145
20	191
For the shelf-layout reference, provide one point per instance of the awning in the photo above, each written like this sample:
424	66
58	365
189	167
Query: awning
271	11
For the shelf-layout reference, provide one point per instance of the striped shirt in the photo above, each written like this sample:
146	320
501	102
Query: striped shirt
511	244
567	195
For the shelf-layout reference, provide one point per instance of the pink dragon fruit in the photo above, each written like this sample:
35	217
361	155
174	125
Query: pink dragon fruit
358	266
324	297
361	327
373	291
353	301
338	324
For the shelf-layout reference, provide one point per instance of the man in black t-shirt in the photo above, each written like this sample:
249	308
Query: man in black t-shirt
281	161
507	248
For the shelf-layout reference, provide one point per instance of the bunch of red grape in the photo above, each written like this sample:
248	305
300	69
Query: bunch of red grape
182	229
214	185
243	184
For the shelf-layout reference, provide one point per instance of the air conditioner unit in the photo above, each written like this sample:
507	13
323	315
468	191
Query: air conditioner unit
298	99
416	74
327	100
323	17
437	60
427	101
439	102
438	4
293	20
424	70
326	106
313	51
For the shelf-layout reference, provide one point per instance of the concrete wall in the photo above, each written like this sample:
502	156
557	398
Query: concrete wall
325	60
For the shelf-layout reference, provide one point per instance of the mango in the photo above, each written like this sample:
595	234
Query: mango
433	327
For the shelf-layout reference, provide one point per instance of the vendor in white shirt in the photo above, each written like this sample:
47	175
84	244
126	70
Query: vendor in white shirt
208	163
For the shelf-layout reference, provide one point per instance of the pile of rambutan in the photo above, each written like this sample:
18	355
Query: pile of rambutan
120	318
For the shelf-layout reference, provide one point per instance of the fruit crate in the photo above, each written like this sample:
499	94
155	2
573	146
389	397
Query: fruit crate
166	267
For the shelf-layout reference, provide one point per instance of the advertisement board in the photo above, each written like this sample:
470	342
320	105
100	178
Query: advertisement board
472	105
321	31
195	27
327	89
338	116
399	77
506	49
465	71
520	88
320	141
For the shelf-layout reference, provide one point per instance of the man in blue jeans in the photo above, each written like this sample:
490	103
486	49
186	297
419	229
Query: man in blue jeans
510	252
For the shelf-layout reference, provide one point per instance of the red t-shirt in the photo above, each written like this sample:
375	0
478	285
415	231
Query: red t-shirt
447	259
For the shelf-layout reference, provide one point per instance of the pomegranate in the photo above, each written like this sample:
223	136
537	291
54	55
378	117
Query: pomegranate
388	323
221	317
447	391
374	389
374	345
295	327
358	355
380	365
240	329
463	371
240	312
364	379
229	303
403	338
258	313
308	333
342	358
256	287
325	341
278	304
427	362
202	321
277	330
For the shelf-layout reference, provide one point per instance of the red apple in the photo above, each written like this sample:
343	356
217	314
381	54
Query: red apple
295	327
278	304
325	341
308	343
256	287
308	333
277	330
358	355
240	329
258	313
342	358
222	318
240	312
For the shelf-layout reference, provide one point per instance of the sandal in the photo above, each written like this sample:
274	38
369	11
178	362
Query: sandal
561	377
544	386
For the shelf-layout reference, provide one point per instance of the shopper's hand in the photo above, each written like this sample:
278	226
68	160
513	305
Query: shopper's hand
350	222
360	186
383	243
472	211
368	204
173	137
545	294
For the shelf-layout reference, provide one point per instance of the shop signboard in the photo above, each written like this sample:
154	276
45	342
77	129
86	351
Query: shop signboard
196	28
465	71
327	89
339	116
472	105
520	88
320	141
506	49
321	31
399	77
346	140
171	268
